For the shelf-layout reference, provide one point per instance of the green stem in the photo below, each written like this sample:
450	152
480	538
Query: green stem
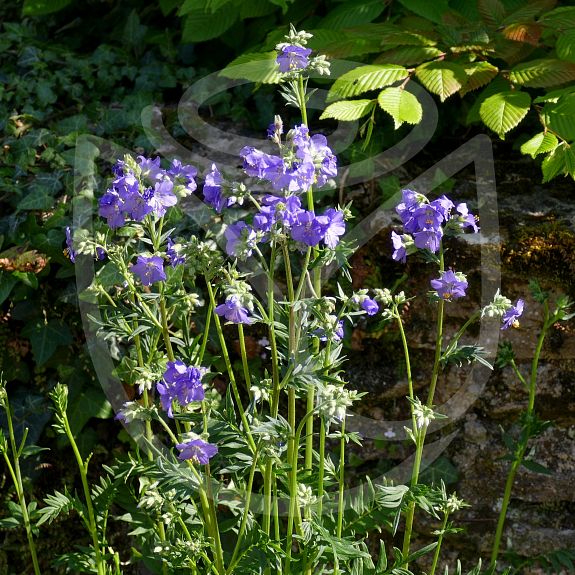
214	522
165	330
16	474
230	370
520	453
439	541
341	479
83	466
246	368
246	510
321	470
202	351
407	364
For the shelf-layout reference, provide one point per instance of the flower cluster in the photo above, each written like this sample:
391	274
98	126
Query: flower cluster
425	223
294	58
142	188
197	451
450	285
180	383
502	307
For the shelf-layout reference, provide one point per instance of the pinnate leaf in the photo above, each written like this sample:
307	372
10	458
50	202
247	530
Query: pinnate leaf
348	110
442	78
503	111
543	72
401	105
539	144
365	78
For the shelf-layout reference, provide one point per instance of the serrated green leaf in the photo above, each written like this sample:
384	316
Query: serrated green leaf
46	338
542	73
554	163
260	68
348	110
539	144
554	95
442	78
560	117
433	11
366	78
42	7
492	11
202	25
351	14
478	74
408	55
498	84
401	105
503	111
560	19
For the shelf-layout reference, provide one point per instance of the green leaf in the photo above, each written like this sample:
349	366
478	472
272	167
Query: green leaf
542	73
560	117
492	11
41	7
433	11
260	68
366	78
350	14
348	110
442	78
36	200
440	470
27	278
202	25
401	105
256	9
560	19
167	6
539	144
46	338
134	32
554	164
56	505
408	55
478	74
88	404
536	467
7	282
503	111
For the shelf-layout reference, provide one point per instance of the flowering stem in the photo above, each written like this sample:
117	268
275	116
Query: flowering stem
407	364
200	356
341	479
439	542
83	466
16	475
438	338
522	447
247	376
165	330
230	370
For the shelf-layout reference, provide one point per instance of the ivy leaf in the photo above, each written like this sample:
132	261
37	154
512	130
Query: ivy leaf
502	112
442	78
539	144
401	105
366	78
478	74
260	68
542	73
46	338
348	110
7	282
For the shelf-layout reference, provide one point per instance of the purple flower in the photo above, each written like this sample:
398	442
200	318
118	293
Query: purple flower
465	218
428	239
149	270
399	253
70	252
424	218
184	174
163	197
137	206
197	451
150	168
370	306
110	207
450	285
333	226
293	58
213	190
258	164
233	310
100	254
408	205
297	177
180	383
307	230
336	335
511	316
444	205
240	240
174	257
